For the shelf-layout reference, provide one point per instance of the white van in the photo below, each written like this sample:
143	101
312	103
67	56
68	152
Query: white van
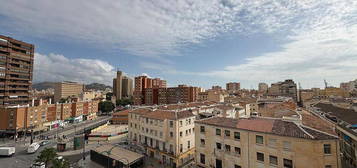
7	151
33	147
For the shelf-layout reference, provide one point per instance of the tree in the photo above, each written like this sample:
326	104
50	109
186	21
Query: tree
106	106
47	156
60	163
124	102
109	96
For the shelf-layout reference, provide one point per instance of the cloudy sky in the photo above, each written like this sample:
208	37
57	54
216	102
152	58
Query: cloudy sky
196	42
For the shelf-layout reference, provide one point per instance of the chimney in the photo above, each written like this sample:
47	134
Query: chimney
50	101
40	102
33	102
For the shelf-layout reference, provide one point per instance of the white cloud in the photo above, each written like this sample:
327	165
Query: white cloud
321	44
145	28
55	67
320	34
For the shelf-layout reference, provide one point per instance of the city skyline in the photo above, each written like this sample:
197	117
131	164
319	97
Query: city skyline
195	43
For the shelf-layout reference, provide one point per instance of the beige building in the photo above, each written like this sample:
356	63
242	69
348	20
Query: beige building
122	86
90	95
127	87
67	89
211	95
233	86
262	143
166	135
263	87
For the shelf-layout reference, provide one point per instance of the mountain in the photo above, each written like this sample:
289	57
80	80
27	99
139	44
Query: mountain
43	85
97	86
46	85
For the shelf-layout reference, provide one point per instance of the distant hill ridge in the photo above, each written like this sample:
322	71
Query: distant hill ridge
47	85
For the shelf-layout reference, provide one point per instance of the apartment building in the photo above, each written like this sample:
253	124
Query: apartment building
67	89
16	67
166	135
261	142
233	86
12	119
77	109
144	84
122	86
286	88
263	88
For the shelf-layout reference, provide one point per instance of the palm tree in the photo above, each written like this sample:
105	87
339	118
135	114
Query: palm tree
47	156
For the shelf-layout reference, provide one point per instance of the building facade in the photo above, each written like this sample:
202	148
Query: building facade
233	86
68	89
263	88
167	136
287	88
259	143
16	71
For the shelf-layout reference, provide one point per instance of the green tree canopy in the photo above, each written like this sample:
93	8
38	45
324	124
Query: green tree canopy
106	106
124	102
60	163
47	156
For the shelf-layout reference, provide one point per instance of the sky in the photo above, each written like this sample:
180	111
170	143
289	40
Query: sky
195	42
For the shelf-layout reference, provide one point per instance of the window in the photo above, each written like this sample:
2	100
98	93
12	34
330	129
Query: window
171	124
237	166
237	135
181	147
286	145
188	145
228	148
259	139
327	148
260	156
160	134
218	132
202	158
203	142
273	160
180	123
288	163
272	143
227	133
180	133
219	146
328	166
237	150
202	129
171	134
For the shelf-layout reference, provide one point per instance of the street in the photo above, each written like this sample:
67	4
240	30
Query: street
21	159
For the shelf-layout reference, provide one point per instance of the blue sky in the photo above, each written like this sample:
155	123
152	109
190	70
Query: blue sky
195	42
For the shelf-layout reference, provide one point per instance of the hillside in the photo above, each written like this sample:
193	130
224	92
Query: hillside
46	85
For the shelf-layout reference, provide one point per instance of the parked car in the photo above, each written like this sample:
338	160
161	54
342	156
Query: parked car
45	142
7	151
33	147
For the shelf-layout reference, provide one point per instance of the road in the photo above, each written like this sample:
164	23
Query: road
22	160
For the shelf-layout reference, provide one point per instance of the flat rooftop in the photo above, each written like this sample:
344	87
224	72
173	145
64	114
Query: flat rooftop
118	153
110	130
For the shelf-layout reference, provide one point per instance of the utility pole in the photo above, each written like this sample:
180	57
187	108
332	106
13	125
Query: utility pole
84	144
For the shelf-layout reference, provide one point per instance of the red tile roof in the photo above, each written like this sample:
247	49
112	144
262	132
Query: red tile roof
271	126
